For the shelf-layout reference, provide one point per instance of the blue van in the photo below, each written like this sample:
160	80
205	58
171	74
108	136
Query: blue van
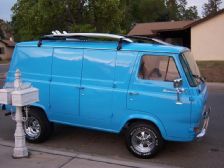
150	90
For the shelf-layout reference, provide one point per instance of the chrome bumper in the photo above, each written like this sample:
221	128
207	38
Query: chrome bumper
205	123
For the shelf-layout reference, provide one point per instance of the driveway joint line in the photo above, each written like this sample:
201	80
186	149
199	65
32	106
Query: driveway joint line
68	161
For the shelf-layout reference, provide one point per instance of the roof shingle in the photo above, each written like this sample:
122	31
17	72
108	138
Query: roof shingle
152	28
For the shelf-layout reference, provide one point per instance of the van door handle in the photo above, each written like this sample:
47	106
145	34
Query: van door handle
169	91
81	88
133	93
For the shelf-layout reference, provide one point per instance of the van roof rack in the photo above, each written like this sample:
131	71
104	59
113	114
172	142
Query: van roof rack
142	39
56	35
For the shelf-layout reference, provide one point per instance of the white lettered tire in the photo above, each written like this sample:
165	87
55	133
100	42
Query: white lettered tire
37	127
143	139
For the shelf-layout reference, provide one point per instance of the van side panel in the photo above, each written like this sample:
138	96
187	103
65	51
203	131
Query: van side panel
35	66
65	84
96	94
124	67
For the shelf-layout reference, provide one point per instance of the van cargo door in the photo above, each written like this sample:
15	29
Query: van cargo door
96	94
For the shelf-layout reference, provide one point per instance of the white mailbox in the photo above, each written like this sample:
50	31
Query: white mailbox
19	94
25	97
5	96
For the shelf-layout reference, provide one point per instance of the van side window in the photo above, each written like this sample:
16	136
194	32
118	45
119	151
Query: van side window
162	68
172	72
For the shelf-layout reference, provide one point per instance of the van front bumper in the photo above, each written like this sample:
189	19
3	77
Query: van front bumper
205	122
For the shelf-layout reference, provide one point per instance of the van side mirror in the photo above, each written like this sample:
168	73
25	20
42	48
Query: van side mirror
177	83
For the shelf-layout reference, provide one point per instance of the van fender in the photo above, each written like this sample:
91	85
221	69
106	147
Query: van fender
150	118
40	106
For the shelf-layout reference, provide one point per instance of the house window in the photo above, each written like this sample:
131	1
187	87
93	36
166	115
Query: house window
2	50
162	68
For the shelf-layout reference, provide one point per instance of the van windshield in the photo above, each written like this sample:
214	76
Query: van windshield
191	69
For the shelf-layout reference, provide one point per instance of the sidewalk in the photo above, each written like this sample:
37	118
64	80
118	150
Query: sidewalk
42	157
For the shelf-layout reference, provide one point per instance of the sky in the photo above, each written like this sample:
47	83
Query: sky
6	5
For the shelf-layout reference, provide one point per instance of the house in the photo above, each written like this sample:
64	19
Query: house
6	49
175	32
205	37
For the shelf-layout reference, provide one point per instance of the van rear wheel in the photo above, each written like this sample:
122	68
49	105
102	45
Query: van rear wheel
37	127
143	140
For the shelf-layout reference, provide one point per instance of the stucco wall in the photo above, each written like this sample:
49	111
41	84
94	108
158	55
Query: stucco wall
207	39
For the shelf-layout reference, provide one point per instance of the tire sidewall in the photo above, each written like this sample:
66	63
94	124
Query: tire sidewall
29	138
143	127
45	126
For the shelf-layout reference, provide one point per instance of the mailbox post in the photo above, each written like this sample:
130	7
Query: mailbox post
19	95
20	150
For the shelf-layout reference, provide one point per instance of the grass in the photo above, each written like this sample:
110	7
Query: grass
212	70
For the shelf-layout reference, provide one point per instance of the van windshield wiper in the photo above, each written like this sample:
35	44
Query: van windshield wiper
201	78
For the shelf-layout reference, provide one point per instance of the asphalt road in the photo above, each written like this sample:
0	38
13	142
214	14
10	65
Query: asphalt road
207	152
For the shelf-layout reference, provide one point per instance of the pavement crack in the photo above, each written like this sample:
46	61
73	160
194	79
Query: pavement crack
68	161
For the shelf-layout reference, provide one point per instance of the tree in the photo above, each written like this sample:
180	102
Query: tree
5	30
211	7
148	10
31	19
142	11
191	13
185	13
178	10
172	9
105	15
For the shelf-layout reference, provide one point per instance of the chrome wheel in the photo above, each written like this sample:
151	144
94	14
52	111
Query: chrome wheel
143	141
32	128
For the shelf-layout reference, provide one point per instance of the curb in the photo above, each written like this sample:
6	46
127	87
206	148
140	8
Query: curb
49	150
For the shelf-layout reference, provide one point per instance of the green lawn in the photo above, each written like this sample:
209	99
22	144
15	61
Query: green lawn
212	70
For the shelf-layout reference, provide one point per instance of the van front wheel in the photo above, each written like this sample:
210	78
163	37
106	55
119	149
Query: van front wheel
37	127
143	140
